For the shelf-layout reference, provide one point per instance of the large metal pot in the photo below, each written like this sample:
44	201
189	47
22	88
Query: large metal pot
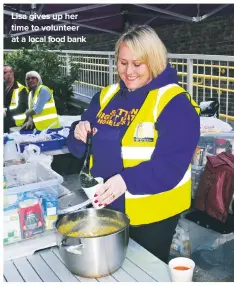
97	256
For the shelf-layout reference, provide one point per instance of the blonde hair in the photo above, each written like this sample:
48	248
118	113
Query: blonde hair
144	42
35	74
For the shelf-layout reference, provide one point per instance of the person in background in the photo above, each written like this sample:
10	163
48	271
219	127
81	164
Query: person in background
42	110
145	131
15	100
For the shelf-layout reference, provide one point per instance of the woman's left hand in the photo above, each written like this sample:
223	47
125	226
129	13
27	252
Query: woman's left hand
28	124
111	190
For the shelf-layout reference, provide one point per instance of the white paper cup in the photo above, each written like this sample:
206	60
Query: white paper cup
181	275
90	192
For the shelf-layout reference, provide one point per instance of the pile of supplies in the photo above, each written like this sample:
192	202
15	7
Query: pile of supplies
209	145
30	200
213	125
46	140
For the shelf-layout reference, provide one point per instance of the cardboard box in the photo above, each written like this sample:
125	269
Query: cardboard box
12	232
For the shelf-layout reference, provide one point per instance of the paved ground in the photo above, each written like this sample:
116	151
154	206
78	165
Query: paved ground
201	274
215	274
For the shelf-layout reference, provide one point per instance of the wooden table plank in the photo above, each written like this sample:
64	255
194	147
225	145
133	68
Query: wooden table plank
84	279
148	262
81	279
26	270
122	276
11	273
43	270
136	272
58	267
107	279
139	265
26	247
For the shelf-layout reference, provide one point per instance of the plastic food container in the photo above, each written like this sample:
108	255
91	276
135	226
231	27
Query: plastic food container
31	177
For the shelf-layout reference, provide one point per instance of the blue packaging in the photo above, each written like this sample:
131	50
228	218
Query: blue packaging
49	203
26	196
11	207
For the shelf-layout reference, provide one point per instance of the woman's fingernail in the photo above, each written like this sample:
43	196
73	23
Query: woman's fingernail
105	205
96	201
100	205
95	195
88	132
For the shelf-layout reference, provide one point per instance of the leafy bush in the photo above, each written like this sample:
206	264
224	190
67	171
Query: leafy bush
47	64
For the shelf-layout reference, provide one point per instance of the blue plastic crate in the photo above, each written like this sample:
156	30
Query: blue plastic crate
56	130
56	143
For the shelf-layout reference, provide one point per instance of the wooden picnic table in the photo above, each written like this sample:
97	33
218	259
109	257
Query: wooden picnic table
47	266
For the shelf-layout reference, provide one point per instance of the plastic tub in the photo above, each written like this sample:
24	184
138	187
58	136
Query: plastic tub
211	250
56	130
56	143
31	177
197	172
227	136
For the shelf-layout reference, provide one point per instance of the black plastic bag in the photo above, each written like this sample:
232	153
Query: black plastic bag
210	108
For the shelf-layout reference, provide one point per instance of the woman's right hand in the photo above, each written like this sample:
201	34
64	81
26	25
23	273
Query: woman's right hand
81	130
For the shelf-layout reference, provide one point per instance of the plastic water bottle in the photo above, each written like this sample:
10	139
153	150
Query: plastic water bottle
11	155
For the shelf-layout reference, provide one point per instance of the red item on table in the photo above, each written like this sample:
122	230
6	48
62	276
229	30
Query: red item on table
31	218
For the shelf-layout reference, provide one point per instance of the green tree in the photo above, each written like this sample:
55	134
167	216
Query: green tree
49	65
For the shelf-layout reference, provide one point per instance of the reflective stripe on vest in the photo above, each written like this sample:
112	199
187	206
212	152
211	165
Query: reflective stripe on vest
113	88
106	94
45	117
161	91
48	105
15	96
49	113
137	153
185	179
148	208
19	119
15	99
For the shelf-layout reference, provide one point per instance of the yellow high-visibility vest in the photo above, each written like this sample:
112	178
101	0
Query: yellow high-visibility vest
49	112
148	208
20	118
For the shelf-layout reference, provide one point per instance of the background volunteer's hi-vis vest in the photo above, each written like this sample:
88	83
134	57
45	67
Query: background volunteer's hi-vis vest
145	209
49	113
19	119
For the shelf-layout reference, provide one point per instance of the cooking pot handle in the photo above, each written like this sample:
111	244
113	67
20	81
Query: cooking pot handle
128	217
75	249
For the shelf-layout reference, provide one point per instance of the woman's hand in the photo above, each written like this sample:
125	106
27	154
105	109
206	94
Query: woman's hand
81	130
110	191
28	124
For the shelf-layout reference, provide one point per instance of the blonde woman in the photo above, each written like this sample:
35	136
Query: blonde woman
146	128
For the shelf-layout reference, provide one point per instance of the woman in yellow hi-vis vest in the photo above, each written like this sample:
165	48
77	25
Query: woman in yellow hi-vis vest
146	128
42	110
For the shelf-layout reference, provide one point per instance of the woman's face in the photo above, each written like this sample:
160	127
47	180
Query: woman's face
32	82
132	71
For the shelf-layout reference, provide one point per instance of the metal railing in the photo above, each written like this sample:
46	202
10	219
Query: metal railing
208	76
203	76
